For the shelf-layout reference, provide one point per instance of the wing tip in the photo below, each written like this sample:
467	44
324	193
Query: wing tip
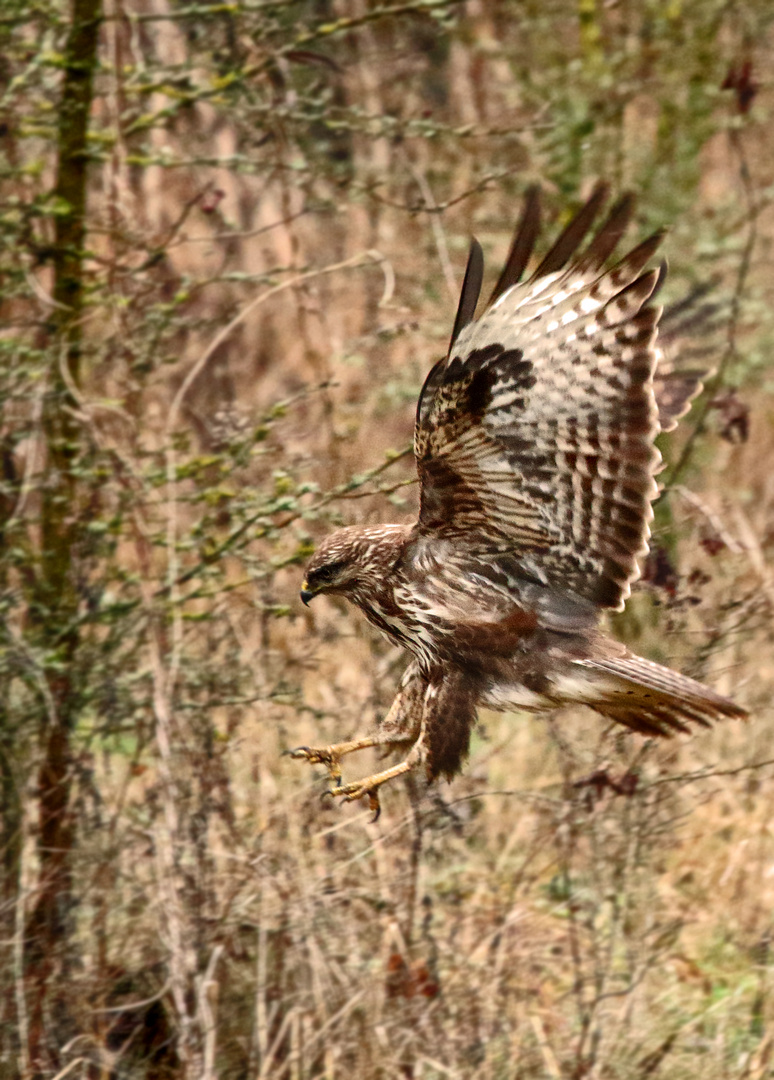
470	291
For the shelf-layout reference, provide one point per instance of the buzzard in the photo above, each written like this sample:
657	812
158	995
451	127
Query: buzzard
534	443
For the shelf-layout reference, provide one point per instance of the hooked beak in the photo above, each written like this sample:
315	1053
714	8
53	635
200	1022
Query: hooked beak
306	595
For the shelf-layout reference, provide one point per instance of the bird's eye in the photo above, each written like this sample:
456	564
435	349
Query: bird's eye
325	574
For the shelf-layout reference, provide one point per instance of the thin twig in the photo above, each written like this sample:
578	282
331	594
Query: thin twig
437	227
730	352
711	517
360	259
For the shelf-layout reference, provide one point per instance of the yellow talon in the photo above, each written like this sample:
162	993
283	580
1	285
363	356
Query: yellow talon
330	757
326	756
360	790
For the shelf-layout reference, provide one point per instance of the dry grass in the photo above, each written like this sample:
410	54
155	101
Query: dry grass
579	903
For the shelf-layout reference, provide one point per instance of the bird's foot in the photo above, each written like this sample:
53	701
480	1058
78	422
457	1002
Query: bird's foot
360	789
368	788
330	756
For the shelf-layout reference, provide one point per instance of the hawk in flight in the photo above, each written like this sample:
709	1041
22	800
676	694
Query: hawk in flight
534	443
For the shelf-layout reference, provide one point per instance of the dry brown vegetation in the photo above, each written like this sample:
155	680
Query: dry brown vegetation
215	359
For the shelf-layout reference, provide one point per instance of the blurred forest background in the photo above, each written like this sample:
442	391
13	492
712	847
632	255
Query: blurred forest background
232	239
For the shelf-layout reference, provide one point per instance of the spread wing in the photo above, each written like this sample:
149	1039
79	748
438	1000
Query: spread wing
688	328
535	435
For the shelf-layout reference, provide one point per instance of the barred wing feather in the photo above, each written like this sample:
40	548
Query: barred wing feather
535	435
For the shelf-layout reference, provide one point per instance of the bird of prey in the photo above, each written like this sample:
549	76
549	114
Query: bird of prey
534	444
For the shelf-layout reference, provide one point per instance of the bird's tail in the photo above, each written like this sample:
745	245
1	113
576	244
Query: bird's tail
654	700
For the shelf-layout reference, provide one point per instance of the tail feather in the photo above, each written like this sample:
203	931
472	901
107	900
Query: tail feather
655	700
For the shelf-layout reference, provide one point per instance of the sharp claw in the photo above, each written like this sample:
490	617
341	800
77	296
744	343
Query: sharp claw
313	756
297	752
367	788
354	792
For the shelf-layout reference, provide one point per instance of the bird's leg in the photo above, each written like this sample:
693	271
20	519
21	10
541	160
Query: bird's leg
402	724
440	716
369	787
330	756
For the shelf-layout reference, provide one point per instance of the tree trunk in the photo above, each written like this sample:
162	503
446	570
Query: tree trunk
54	607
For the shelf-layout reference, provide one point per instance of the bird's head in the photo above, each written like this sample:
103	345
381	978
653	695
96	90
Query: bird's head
353	562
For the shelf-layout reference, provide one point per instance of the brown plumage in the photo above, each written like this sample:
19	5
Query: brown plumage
534	444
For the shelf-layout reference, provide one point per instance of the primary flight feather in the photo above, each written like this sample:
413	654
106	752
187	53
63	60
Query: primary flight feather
534	444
